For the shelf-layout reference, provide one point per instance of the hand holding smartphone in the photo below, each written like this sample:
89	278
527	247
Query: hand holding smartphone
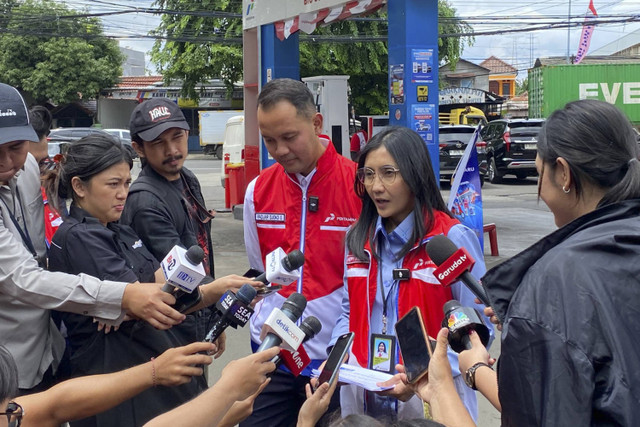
414	344
335	360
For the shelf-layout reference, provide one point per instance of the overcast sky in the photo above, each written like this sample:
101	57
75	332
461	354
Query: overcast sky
519	49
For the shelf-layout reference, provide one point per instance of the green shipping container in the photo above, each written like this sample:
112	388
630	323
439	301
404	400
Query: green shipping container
552	86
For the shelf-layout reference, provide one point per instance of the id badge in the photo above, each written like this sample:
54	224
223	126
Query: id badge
382	349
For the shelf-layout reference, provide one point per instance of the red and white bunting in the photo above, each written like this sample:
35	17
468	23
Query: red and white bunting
308	22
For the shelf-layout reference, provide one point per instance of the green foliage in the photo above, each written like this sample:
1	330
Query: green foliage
195	62
522	86
53	56
365	62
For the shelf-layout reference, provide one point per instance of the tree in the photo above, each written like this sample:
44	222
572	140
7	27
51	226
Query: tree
522	86
51	53
202	46
195	49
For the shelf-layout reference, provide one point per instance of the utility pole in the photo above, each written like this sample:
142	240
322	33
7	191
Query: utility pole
569	34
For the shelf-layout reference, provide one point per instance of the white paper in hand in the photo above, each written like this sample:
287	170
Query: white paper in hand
365	378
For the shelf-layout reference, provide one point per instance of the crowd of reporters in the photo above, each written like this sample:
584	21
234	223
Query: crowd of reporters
566	305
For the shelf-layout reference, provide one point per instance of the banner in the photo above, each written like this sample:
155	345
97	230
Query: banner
465	200
587	32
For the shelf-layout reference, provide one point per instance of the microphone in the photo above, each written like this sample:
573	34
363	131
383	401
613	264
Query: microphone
183	269
298	360
280	268
280	327
460	321
454	264
232	310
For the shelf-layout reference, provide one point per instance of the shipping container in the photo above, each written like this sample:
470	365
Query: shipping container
552	86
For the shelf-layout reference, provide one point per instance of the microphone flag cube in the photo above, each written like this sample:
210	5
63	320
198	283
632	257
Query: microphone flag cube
279	324
275	272
450	270
179	272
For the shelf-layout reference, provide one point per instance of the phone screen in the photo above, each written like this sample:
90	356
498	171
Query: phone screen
412	338
336	357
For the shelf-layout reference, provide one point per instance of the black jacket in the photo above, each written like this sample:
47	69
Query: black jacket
570	306
160	217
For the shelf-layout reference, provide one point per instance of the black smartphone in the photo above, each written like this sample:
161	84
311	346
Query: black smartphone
336	358
414	344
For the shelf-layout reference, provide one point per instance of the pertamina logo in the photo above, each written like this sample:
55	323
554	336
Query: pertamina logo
159	113
333	217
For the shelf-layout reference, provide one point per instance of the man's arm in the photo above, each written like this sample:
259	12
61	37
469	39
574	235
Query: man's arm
86	396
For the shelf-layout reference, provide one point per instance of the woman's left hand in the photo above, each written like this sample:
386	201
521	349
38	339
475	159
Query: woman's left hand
211	292
401	390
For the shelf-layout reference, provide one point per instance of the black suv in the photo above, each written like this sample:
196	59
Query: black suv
511	146
453	140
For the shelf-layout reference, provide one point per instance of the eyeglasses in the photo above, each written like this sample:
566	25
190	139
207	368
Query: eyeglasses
387	175
14	413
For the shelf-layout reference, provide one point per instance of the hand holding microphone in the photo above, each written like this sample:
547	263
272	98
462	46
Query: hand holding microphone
183	272
233	309
454	264
461	321
280	328
298	360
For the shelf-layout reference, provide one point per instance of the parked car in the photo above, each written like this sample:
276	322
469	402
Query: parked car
511	146
453	140
74	134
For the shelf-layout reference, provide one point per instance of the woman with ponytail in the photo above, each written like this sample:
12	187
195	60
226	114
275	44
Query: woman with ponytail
569	304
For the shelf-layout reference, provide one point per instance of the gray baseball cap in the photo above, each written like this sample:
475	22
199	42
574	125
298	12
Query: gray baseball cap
14	117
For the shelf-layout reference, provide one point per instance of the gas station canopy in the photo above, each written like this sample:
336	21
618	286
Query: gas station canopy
289	16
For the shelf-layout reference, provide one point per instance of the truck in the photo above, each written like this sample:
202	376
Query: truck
462	116
211	127
553	86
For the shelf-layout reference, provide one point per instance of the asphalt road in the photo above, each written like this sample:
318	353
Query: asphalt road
513	206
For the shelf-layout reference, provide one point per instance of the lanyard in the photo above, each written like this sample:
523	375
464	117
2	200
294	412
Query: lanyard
385	298
24	234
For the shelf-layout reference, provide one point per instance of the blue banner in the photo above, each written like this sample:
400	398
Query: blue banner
465	200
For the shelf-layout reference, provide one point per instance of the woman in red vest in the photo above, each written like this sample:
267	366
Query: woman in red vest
387	270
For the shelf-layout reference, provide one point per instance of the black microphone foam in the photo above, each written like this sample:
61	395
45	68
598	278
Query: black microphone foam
195	254
295	304
246	293
293	260
311	326
461	321
440	248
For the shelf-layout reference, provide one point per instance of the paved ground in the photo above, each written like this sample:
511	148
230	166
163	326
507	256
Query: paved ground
512	206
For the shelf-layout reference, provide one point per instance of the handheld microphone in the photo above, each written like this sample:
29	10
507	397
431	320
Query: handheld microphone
281	269
298	360
460	320
454	264
280	327
232	310
183	269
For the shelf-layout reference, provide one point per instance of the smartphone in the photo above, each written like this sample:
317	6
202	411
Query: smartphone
336	358
414	344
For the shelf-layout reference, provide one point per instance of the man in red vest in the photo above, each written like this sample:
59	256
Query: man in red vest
305	201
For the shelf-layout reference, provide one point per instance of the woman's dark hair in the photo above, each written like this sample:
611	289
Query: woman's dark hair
84	158
8	375
356	420
411	154
599	144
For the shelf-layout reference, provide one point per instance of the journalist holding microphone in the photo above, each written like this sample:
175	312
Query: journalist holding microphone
95	175
27	291
569	304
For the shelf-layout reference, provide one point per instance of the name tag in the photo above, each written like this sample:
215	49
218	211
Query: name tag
271	217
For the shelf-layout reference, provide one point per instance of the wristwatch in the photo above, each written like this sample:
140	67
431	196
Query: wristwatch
470	375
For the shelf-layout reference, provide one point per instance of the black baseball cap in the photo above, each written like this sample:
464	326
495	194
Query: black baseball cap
152	117
14	117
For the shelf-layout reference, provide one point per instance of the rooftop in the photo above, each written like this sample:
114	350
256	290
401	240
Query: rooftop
496	65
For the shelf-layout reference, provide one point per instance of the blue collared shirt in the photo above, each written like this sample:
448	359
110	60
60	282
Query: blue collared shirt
388	246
